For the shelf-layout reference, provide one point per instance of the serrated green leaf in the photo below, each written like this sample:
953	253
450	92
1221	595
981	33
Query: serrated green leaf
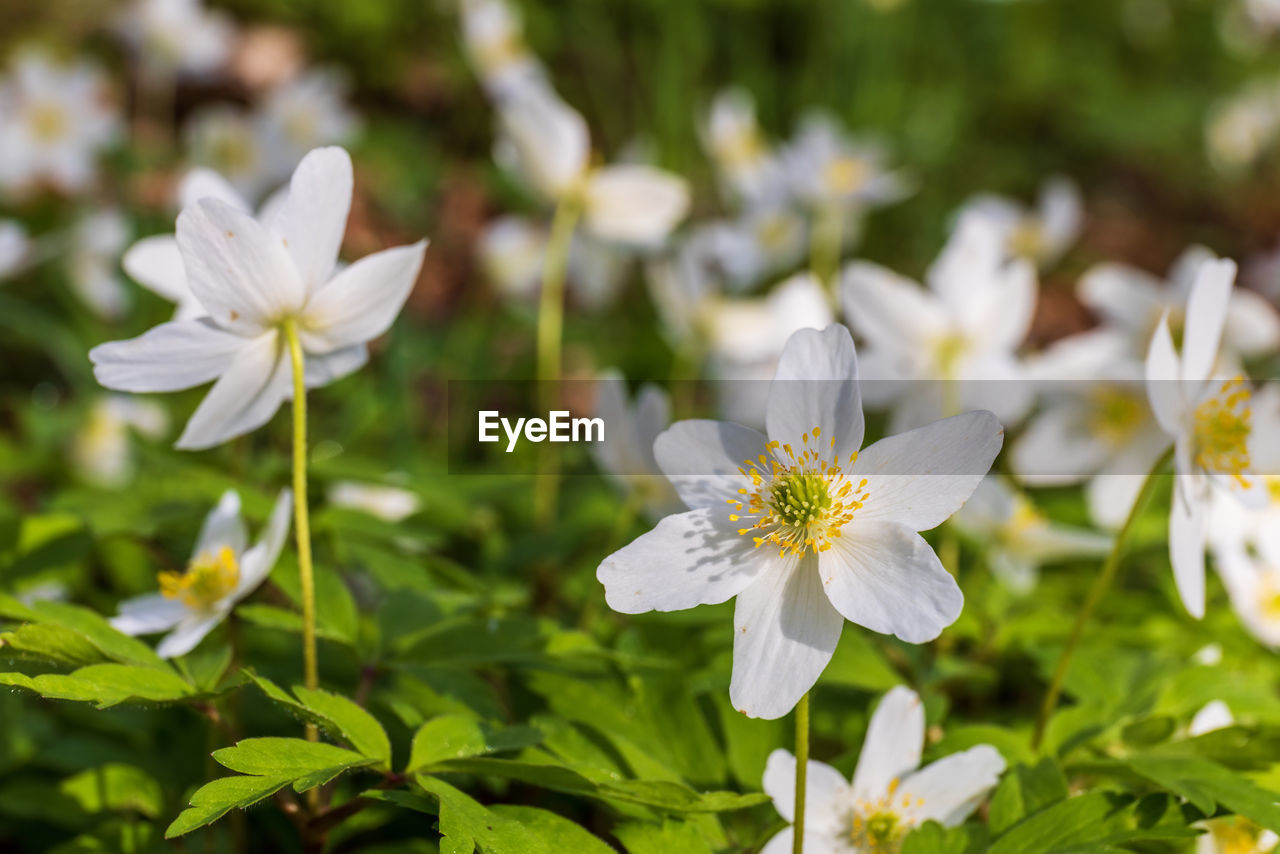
461	736
1206	783
107	685
307	763
465	825
1025	790
1085	820
359	728
214	800
557	833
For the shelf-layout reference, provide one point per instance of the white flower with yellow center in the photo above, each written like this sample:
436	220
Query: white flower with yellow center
1016	538
253	280
630	428
827	167
223	570
804	528
228	140
493	36
178	35
304	112
1209	419
1043	234
748	166
1132	302
889	795
546	142
1235	835
54	120
952	346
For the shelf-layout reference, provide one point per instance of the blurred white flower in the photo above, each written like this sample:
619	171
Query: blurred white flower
953	346
223	570
1042	234
1017	539
388	503
1214	715
802	527
1235	834
1242	128
177	35
749	168
101	452
252	279
513	252
626	454
493	36
1263	15
93	261
227	140
1133	301
1245	544
15	248
305	112
827	167
545	141
761	242
889	795
54	120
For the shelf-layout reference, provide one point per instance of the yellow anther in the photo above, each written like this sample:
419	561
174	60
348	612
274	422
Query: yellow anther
209	578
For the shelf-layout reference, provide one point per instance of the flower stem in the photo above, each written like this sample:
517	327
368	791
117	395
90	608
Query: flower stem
802	769
1100	587
825	241
301	519
550	343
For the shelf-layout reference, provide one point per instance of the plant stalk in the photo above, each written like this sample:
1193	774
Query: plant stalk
802	773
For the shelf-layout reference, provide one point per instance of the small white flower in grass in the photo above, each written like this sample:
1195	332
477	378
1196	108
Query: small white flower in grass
513	253
388	503
952	346
889	795
546	142
96	243
1094	425
177	35
156	262
228	140
1210	421
1132	302
305	112
101	451
825	166
56	119
493	35
749	168
802	527
252	279
223	570
1042	234
626	454
1016	538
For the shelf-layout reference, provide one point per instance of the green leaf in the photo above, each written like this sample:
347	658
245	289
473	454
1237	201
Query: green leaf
1086	820
307	763
1023	791
214	800
115	786
932	838
98	632
1206	783
671	835
460	736
340	717
55	644
108	685
557	833
465	825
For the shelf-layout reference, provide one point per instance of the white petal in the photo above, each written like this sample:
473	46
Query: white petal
1123	296
1213	716
201	183
1057	447
257	563
1252	325
1206	316
635	204
703	459
919	478
1164	389
169	357
893	745
313	219
886	578
888	310
547	139
331	367
998	315
156	264
188	634
145	615
362	301
827	793
785	632
244	398
1061	210
223	527
1110	498
1186	545
816	385
685	561
241	272
952	787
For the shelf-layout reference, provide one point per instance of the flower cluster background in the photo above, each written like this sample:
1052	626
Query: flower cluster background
935	342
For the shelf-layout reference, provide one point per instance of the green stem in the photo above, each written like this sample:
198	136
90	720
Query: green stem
1100	586
301	519
825	241
802	769
550	343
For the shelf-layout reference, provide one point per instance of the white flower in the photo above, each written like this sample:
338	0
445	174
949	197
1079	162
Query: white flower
546	142
228	141
96	243
1095	425
626	454
1235	835
223	570
1215	715
156	262
749	168
493	35
54	120
1209	420
937	351
513	252
101	451
1133	301
1042	235
1016	538
1244	127
802	527
1245	543
15	248
889	795
764	240
253	278
825	166
387	503
177	35
305	112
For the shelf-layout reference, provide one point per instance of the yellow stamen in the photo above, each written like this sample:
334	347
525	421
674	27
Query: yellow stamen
1221	431
207	580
